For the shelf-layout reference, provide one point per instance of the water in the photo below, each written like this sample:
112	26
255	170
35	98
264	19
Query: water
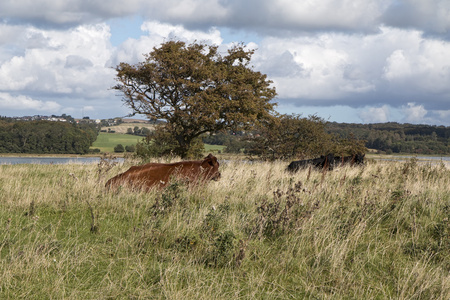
433	160
10	160
421	158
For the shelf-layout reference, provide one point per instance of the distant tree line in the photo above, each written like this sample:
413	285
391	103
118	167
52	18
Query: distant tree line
46	137
397	138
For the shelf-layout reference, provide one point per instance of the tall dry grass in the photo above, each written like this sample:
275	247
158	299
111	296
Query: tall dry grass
379	231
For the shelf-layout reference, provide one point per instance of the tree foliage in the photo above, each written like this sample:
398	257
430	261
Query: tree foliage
119	148
348	146
196	90
161	143
46	137
291	136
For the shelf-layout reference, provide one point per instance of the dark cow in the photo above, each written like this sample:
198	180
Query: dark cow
323	162
159	175
355	159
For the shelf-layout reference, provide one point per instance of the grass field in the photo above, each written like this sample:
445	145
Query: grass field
376	232
107	141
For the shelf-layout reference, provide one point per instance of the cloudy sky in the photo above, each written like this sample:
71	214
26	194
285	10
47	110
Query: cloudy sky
354	61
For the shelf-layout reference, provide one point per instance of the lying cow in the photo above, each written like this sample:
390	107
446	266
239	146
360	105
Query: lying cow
355	159
159	175
323	162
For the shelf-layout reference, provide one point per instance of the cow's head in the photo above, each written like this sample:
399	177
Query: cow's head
211	167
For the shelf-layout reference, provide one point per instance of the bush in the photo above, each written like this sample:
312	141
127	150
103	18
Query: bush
119	148
95	150
130	148
290	136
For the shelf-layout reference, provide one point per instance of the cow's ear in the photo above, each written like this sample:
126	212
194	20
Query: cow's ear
207	161
210	160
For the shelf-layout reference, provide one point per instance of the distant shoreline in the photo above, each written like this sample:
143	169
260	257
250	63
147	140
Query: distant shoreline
405	156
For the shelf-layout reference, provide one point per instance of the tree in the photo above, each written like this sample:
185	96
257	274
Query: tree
196	90
119	148
350	146
161	143
291	136
145	131
130	148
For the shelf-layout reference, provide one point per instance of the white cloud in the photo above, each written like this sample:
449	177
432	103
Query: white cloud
165	31
303	67
375	114
392	67
414	113
443	115
65	62
421	65
88	108
21	102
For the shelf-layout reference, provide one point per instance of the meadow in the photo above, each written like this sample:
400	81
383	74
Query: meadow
107	141
380	231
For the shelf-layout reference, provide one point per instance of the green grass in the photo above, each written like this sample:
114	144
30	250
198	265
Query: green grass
214	148
107	141
377	232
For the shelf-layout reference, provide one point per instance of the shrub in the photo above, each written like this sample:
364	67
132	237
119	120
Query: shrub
130	148
119	148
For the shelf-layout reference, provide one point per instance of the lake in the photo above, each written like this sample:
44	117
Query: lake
11	160
407	157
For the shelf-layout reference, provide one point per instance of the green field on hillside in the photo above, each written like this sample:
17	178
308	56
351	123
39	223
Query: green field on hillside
107	141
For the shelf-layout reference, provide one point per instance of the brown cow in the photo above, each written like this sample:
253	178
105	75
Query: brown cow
159	175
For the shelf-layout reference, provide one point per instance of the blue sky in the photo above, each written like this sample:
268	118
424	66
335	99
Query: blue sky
360	61
125	28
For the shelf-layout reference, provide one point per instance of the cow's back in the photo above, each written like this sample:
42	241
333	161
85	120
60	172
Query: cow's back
159	174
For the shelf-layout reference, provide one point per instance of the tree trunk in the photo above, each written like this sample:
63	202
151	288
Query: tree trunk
183	146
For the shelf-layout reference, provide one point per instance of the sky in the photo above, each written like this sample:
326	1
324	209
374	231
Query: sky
352	61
